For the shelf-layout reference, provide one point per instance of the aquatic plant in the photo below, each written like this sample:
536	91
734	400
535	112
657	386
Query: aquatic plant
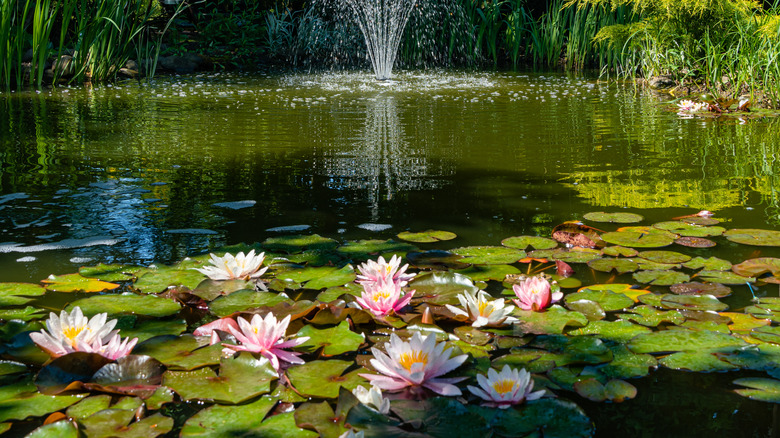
535	293
420	362
504	389
689	106
383	298
483	311
241	266
266	337
383	272
372	398
71	332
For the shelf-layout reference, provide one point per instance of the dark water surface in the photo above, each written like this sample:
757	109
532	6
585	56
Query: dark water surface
153	172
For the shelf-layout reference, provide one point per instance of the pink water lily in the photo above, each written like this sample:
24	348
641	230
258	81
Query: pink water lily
509	387
535	294
382	298
115	348
383	272
266	337
416	363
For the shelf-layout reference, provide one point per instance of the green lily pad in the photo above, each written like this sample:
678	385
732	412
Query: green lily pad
651	317
364	249
710	264
435	260
620	266
695	288
156	327
608	300
127	303
669	341
338	277
185	352
766	390
323	378
548	417
568	350
76	283
762	357
428	236
535	242
689	230
321	418
297	243
551	321
333	293
724	277
576	255
111	273
245	300
240	379
212	289
697	361
441	287
34	404
59	429
672	257
440	417
333	341
660	278
489	272
228	421
489	255
89	406
626	364
614	331
24	314
638	239
617	217
16	294
591	309
619	251
614	390
157	279
693	302
648	265
757	267
113	422
749	236
767	334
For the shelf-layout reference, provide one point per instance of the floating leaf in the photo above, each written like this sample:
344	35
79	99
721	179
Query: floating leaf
626	365
338	277
749	236
59	429
591	309
211	289
16	294
757	267
636	239
766	390
669	341
608	300
535	242
693	302
577	235
488	272
441	287
116	422
228	421
435	260
695	242
157	279
34	404
321	418
689	230
363	249
723	277
440	417
695	288
428	236
615	331
767	334
660	278
133	374
551	321
618	218
156	327
711	264
111	273
245	300
489	255
298	243
548	417
323	378
240	379
333	341
76	283
24	314
620	266
183	352
614	390
619	251
698	361
670	257
652	317
127	303
576	255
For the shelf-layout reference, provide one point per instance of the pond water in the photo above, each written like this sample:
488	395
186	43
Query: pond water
152	172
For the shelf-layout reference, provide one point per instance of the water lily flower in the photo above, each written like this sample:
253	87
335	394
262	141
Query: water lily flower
482	311
383	298
115	348
240	267
535	294
418	362
689	106
380	271
509	387
372	398
352	434
266	337
70	332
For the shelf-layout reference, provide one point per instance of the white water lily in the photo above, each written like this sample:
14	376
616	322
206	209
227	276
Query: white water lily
482	311
240	267
372	398
509	387
689	106
418	362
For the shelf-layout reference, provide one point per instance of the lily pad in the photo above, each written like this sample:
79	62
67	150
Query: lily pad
616	331
364	249
576	255
651	317
551	418
689	230
756	237
618	218
240	379
638	239
757	267
620	266
608	300
111	273
298	243
619	251
698	361
76	283
157	279
442	287
551	321
435	260
535	242
591	309
489	255
670	341
244	300
723	277
185	352
710	264
700	220
693	302
614	390
577	235
664	256
59	429
428	236
212	289
323	378
228	421
695	288
127	303
33	404
626	364
766	390
333	341
114	422
338	277
16	294
695	242
660	278
488	272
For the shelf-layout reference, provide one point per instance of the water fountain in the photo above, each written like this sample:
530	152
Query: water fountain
382	23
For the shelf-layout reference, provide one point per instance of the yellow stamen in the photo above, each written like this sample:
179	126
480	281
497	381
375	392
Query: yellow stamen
408	359
72	332
380	294
481	305
503	386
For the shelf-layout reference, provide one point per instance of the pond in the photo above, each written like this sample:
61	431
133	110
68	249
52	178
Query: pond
153	172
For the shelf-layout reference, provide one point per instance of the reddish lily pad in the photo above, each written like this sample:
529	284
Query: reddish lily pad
133	374
76	283
700	220
639	239
695	288
695	242
757	267
489	255
535	242
323	378
660	278
16	294
766	390
333	341
240	379
620	266
756	237
577	235
428	236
